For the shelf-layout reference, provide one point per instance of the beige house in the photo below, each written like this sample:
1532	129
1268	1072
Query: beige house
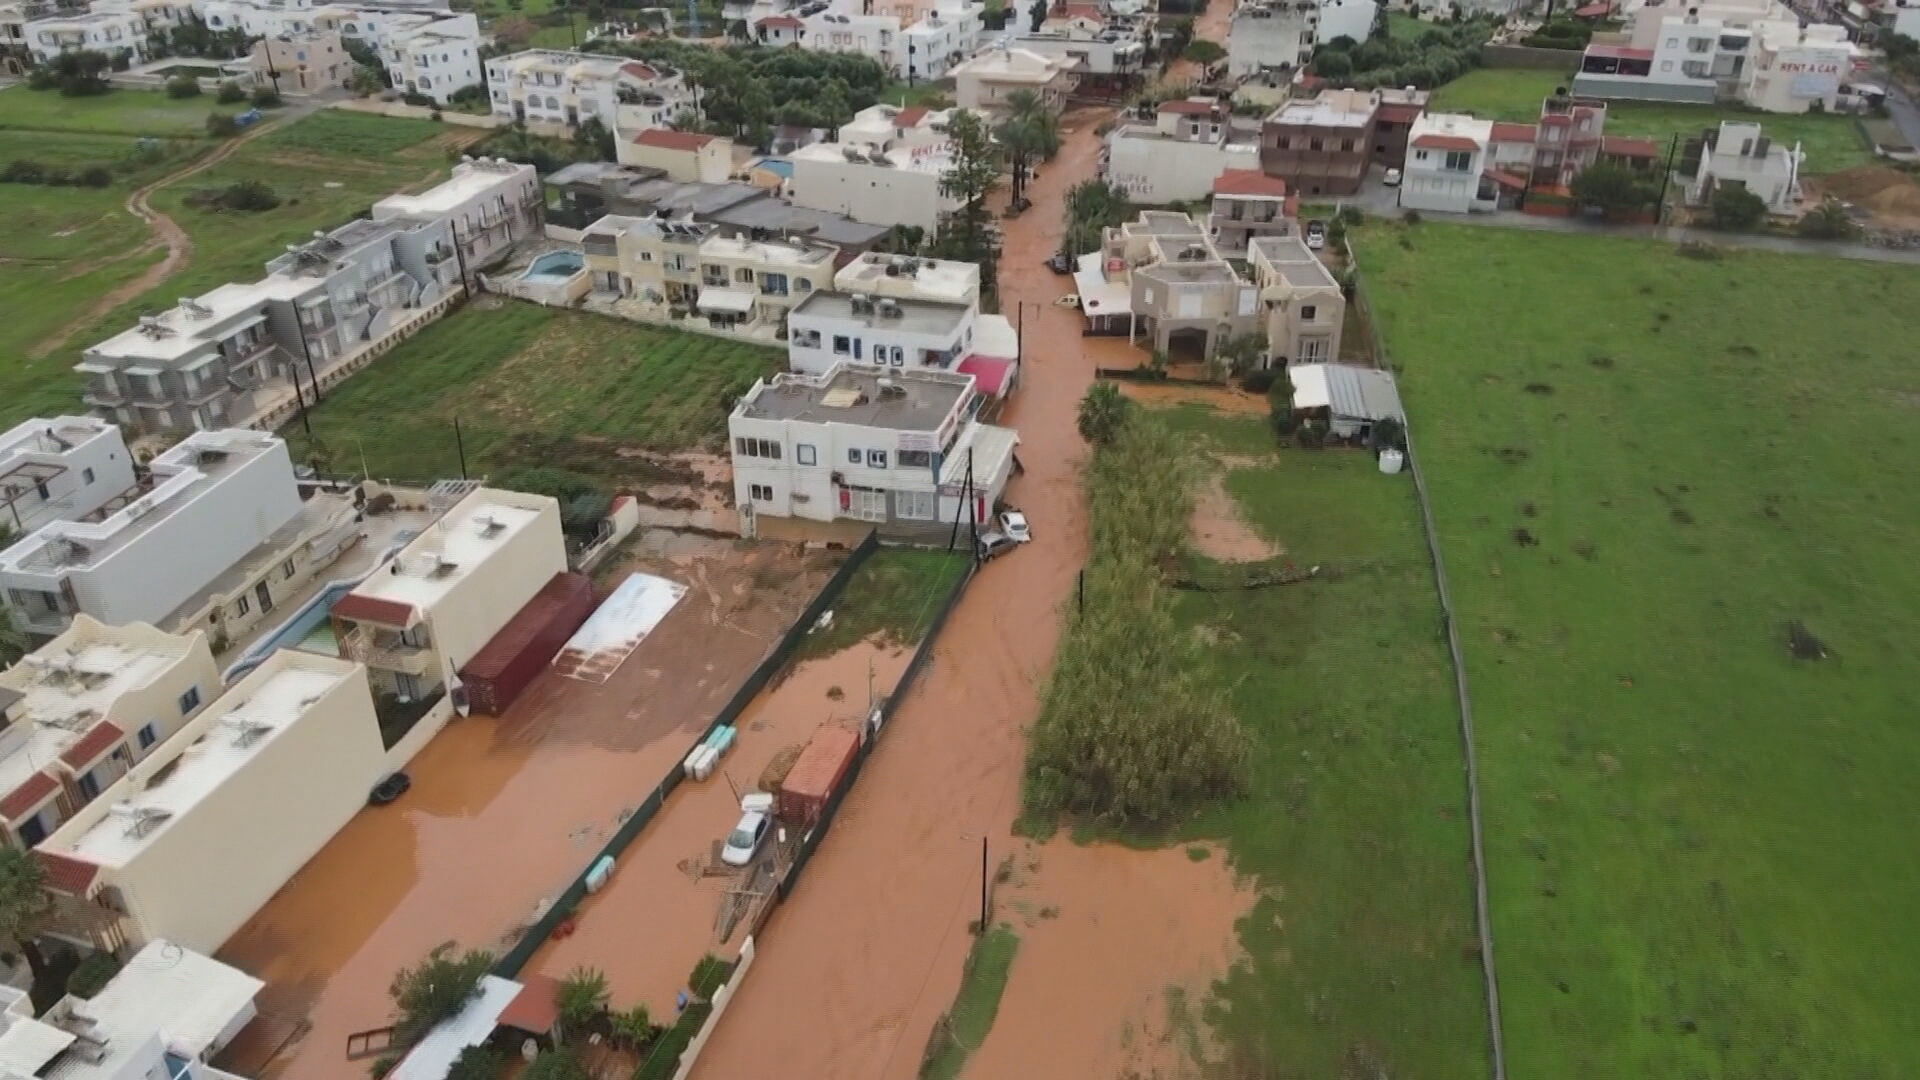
686	156
193	840
79	711
301	63
986	81
1301	304
418	618
662	271
902	277
1159	279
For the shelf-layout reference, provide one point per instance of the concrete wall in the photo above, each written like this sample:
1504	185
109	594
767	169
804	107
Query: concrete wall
874	194
870	338
1153	170
478	604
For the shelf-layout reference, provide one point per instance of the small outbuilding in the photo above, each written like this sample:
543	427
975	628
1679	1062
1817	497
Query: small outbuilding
1350	399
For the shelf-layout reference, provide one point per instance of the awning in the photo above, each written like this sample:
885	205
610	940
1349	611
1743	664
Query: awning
1506	179
1098	296
728	300
993	374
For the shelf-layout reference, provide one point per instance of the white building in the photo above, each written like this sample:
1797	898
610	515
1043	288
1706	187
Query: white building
1795	68
1741	155
1345	18
1446	163
1179	156
193	840
111	32
436	59
856	444
915	45
417	619
215	499
566	88
1272	36
490	204
161	1017
59	470
896	182
832	328
80	710
986	81
878	274
1753	51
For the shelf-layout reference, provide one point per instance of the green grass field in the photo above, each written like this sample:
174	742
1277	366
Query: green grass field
1359	958
967	1023
120	112
894	595
533	386
1832	142
1644	467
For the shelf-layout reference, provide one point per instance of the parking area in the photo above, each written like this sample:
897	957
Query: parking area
504	812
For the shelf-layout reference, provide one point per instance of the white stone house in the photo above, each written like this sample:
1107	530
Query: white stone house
1741	155
1447	159
60	469
437	59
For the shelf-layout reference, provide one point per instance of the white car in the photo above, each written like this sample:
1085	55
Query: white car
1316	235
1392	179
745	839
1014	524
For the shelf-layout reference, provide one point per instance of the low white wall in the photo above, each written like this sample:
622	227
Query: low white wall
720	999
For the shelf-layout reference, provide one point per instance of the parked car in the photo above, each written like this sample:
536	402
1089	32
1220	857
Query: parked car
1014	524
1316	235
394	786
995	544
1392	179
745	839
1060	263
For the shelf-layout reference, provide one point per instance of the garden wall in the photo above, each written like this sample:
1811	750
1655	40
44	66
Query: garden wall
1530	57
720	999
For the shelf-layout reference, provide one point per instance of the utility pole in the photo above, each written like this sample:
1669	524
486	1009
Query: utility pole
298	394
460	257
460	447
973	512
983	883
1020	334
1666	176
300	324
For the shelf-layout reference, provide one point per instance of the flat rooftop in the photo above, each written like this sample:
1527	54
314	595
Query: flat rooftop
875	272
1162	223
1331	109
54	435
733	247
1290	258
180	995
917	400
198	323
451	550
576	64
916	316
470	180
1212	272
119	825
775	215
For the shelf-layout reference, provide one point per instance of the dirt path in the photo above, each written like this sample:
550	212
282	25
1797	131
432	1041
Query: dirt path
1210	25
856	968
166	233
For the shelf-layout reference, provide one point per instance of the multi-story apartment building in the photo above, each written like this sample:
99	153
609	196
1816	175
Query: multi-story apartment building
565	88
489	203
1302	307
15	56
655	270
988	79
78	712
1159	276
115	33
1393	122
1271	37
1177	158
215	538
585	192
436	58
832	328
878	274
194	839
60	470
886	169
1249	204
1106	48
1447	161
915	46
301	63
417	619
1321	145
1754	51
854	443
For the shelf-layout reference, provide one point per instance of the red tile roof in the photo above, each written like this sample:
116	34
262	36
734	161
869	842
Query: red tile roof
31	793
65	873
362	608
1399	112
1445	142
1505	132
907	118
1191	108
1506	179
91	745
1619	52
639	71
781	22
1593	11
1622	146
666	139
1250	182
991	374
535	1009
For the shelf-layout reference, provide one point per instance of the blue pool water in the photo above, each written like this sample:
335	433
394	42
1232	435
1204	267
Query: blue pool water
554	266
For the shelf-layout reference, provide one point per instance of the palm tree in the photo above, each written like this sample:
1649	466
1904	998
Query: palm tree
1102	411
24	904
581	998
1029	132
1828	221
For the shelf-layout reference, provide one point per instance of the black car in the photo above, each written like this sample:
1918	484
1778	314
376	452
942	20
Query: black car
1060	263
390	789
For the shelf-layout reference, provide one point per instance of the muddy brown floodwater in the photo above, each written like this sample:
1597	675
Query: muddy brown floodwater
854	970
502	813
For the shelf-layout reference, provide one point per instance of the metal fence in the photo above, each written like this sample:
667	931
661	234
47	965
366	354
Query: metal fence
1482	913
510	964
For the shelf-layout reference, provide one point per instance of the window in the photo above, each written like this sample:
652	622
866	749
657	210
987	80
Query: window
1666	65
190	700
1459	160
89	786
842	345
915	505
760	448
761	492
86	476
804	454
1419	155
287	569
1307	312
1699	44
802	285
242	605
32	830
41	487
1673	43
148	736
1346	144
1313	144
646	256
916	459
853	456
876	459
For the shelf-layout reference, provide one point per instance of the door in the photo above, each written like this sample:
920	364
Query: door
264	595
869	505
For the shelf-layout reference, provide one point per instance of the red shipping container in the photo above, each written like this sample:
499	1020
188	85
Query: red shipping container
816	773
527	644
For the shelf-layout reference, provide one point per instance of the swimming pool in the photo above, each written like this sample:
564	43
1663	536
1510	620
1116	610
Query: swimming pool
554	266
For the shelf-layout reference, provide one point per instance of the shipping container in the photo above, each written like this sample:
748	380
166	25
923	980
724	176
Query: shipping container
523	648
816	773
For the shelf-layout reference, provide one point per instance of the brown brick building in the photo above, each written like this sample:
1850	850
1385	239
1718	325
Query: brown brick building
1321	146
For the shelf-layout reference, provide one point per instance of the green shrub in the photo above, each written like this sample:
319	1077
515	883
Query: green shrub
94	176
661	1061
230	93
1257	381
708	976
222	126
91	975
23	172
266	97
183	86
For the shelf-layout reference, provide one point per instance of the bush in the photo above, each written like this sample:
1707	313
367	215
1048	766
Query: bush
266	97
222	126
1735	209
664	1059
230	93
1202	51
422	100
94	176
435	989
23	172
248	195
1257	381
183	86
1828	221
708	976
1411	217
91	975
480	1062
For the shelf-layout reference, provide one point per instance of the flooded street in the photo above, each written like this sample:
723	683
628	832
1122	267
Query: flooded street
502	813
855	969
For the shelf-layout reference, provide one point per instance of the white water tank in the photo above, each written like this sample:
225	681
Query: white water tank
1391	460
